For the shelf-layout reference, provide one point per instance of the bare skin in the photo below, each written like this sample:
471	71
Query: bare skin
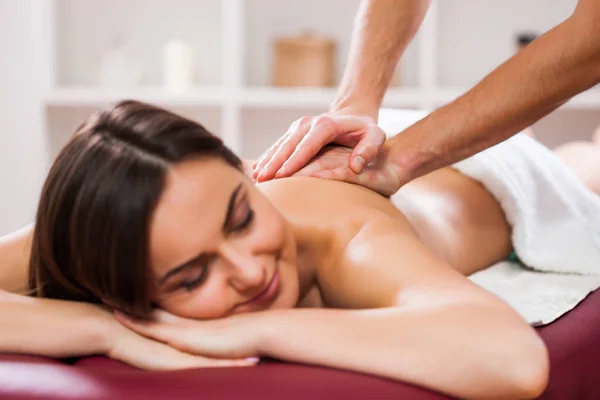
558	65
359	250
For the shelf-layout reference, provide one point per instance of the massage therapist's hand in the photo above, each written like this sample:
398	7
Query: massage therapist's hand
308	135
127	346
234	337
381	175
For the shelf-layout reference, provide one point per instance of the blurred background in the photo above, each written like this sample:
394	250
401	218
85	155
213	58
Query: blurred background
244	68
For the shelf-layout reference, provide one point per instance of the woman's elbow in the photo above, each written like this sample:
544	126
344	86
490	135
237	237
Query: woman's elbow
529	366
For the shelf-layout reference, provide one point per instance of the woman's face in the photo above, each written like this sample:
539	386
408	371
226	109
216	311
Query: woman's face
217	245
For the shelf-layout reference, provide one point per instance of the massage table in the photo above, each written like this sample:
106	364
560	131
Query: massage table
573	342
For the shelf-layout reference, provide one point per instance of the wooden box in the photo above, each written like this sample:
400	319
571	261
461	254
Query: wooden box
305	60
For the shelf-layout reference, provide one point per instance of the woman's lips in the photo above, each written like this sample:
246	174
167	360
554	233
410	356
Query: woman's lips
267	295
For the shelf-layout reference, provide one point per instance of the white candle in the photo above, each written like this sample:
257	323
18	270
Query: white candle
178	65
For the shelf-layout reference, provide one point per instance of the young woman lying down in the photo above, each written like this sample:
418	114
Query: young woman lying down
148	213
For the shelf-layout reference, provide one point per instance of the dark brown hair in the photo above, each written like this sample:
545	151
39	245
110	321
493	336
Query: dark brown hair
90	241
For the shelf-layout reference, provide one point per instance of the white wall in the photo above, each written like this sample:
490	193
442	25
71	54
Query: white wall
475	37
145	28
22	148
25	70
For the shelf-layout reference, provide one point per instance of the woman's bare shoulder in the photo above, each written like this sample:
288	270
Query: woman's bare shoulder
311	194
372	266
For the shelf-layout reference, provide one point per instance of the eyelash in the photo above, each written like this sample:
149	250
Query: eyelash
246	222
194	283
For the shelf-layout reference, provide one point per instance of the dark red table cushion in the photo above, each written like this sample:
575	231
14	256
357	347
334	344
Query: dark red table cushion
573	342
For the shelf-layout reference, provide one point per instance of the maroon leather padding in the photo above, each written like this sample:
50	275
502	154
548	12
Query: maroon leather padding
573	342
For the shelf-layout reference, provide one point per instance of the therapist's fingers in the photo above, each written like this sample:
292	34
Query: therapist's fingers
330	157
347	130
320	135
367	149
278	158
260	163
266	157
382	180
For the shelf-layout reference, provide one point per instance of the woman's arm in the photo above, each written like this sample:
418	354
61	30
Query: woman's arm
420	322
15	250
41	326
52	328
427	324
57	328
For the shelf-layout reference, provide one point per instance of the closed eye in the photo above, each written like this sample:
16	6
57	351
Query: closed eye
197	280
246	221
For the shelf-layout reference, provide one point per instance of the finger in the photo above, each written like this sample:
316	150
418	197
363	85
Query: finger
284	151
268	155
349	129
343	174
366	150
322	132
244	362
310	169
372	179
157	356
320	165
260	163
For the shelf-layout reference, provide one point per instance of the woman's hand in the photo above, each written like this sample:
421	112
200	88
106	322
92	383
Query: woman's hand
143	352
233	337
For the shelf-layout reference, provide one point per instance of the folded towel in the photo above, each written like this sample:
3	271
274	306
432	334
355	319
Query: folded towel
555	224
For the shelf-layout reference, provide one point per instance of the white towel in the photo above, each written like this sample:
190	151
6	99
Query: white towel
555	224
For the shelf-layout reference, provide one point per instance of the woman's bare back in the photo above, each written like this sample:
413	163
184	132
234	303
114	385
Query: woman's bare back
452	215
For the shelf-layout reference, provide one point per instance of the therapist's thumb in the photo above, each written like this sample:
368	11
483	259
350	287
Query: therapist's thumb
367	149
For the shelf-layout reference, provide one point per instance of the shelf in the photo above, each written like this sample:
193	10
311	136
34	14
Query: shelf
82	96
265	97
320	97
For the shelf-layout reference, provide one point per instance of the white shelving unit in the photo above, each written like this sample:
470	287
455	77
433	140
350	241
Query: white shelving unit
233	97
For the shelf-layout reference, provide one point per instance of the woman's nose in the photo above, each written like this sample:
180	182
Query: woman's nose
247	270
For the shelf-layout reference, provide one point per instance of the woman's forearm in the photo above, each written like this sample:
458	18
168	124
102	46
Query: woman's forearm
382	31
558	65
51	328
465	350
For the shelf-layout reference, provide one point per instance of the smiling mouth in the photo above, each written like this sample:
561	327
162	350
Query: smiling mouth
268	294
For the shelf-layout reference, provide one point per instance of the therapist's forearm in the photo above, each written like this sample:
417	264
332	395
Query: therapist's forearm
558	65
382	31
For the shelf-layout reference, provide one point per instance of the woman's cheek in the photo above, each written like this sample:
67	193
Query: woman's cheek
270	233
201	303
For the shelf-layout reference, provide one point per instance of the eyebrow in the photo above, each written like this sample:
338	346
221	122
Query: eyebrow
187	264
